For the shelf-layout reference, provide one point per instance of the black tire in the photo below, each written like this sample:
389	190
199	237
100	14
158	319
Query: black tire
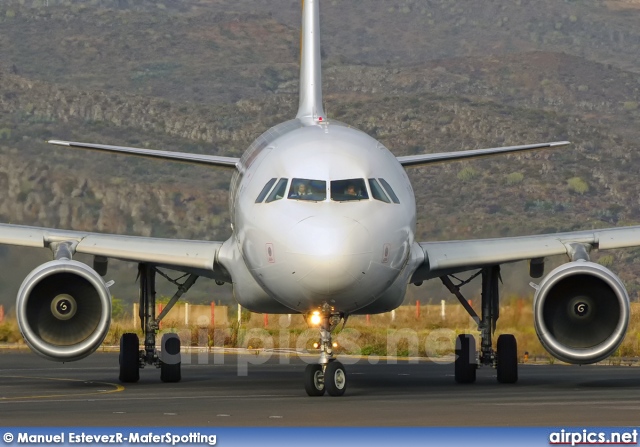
314	380
335	379
129	358
170	372
465	364
507	359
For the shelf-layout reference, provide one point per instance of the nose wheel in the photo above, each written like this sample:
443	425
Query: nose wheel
335	378
331	379
314	380
328	375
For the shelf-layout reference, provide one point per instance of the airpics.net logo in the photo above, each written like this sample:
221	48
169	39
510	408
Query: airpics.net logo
438	346
589	437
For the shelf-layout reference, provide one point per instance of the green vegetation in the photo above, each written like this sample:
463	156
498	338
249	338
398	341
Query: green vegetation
514	178
606	261
467	174
5	133
9	332
577	185
118	309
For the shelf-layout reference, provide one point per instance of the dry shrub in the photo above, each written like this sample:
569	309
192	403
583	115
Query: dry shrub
376	335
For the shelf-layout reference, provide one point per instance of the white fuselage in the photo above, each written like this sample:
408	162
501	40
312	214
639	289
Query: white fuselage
302	251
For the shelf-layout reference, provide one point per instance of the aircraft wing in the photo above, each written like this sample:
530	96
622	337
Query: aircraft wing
425	159
199	257
203	159
442	258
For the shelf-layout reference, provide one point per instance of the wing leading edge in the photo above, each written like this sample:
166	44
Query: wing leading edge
448	257
425	159
199	257
202	159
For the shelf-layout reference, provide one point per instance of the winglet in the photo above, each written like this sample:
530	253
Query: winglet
310	106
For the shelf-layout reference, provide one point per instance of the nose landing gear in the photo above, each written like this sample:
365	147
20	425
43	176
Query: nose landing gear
328	374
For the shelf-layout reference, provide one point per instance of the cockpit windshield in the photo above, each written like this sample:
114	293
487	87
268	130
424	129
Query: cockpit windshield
312	190
279	191
265	190
307	189
377	192
348	190
392	194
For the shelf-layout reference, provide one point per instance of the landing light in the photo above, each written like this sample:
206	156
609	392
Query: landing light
315	345
335	345
315	318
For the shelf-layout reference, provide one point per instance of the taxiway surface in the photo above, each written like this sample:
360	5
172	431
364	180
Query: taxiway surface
36	392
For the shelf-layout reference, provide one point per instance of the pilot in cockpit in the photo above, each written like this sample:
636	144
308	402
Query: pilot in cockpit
351	190
300	192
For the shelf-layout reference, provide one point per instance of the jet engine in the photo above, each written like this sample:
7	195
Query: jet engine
581	312
63	310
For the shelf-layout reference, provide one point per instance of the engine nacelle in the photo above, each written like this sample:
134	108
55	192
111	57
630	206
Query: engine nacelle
63	310
581	312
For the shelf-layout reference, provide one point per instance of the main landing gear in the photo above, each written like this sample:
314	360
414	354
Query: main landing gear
505	358
168	358
328	375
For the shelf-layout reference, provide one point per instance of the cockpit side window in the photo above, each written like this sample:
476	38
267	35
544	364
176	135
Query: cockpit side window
392	194
348	190
265	190
279	191
377	192
306	189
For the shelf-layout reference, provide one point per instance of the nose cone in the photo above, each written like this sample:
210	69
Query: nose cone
331	255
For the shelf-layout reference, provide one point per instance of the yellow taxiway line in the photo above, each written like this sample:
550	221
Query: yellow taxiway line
116	388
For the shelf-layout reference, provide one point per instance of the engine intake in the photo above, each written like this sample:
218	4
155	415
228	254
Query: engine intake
581	312
63	310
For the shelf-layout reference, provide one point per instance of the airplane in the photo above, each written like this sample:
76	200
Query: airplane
323	220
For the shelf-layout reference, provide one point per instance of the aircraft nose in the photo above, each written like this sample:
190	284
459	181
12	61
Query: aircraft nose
331	254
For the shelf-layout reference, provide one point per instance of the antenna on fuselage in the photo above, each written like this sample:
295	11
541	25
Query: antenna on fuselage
310	105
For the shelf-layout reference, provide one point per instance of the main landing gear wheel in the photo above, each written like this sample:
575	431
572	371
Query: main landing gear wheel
335	379
507	359
129	358
465	362
167	358
170	359
314	380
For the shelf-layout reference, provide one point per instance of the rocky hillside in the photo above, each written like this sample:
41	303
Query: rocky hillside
209	76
